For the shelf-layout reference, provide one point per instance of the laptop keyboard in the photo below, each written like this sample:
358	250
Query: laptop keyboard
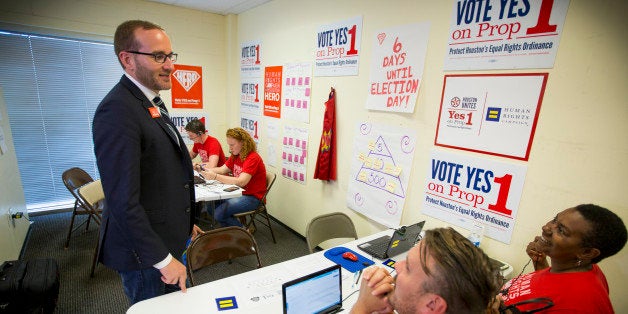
377	246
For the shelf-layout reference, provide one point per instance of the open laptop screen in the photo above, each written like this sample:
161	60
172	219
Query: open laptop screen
319	292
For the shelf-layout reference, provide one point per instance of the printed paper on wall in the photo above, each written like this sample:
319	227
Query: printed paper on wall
491	113
504	34
464	190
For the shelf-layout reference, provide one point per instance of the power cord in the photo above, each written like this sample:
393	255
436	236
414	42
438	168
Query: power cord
350	294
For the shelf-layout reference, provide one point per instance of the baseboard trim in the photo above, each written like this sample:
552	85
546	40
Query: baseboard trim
285	226
49	212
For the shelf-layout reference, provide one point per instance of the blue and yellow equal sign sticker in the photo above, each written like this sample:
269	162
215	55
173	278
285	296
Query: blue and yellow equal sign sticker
227	303
493	114
390	263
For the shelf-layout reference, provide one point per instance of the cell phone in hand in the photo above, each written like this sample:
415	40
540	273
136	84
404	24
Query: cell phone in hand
231	189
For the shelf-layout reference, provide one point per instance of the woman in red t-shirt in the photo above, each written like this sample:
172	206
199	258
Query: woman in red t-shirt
249	173
205	146
575	241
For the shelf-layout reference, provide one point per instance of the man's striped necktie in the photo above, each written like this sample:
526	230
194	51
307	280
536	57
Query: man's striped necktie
164	112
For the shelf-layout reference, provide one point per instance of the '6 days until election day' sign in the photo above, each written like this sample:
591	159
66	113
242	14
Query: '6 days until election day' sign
504	34
397	67
464	191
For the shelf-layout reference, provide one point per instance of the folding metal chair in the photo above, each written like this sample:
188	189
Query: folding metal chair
219	245
329	226
91	195
73	179
248	218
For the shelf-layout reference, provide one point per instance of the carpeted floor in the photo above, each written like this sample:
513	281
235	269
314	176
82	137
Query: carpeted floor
103	293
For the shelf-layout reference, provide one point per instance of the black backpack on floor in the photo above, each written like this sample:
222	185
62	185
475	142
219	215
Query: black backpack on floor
29	286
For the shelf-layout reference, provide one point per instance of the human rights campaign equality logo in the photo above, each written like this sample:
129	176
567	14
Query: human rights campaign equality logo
493	114
226	303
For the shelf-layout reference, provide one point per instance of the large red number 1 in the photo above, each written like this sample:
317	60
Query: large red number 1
542	24
352	50
502	196
256	93
257	54
469	120
255	130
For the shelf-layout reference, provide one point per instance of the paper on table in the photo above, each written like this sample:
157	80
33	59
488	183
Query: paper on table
267	286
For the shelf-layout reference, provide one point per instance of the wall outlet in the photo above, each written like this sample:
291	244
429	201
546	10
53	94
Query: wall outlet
9	217
14	214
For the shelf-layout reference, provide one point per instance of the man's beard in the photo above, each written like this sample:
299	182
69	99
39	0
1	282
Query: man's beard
152	80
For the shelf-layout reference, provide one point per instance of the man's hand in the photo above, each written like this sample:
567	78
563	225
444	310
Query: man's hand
196	231
174	273
376	284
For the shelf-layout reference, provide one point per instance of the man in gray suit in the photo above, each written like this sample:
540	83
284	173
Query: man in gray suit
145	169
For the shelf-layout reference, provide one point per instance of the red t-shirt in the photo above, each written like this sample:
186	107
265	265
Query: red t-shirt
210	147
580	292
254	166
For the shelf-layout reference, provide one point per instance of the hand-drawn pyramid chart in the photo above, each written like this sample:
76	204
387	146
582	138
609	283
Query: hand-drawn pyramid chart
372	171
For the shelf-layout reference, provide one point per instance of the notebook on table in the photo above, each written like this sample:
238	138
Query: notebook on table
318	292
401	241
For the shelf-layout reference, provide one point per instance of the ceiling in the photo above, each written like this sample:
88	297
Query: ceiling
223	7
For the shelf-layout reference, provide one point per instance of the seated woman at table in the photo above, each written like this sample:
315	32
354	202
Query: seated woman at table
575	240
249	173
205	146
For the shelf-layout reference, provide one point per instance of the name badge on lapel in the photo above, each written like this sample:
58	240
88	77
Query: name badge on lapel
154	112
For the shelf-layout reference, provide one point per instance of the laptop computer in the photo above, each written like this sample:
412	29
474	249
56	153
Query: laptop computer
401	241
318	292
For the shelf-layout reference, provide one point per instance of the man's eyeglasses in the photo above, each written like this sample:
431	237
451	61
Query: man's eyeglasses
159	57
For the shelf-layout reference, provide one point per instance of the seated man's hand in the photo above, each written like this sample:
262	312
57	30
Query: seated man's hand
373	298
174	273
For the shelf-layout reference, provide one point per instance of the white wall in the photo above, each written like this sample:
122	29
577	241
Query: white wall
580	148
12	231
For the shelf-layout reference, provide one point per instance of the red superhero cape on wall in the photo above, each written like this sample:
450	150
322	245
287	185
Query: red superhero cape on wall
326	161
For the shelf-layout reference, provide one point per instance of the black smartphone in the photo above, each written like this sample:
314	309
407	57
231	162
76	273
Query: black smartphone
231	189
